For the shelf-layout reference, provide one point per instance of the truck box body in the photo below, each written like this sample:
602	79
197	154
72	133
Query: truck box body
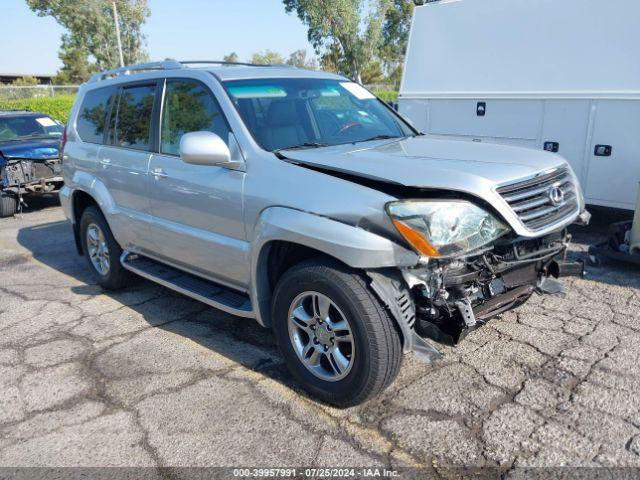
562	75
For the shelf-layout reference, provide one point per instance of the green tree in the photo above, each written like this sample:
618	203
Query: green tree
89	43
268	57
350	28
372	74
76	67
26	81
332	60
232	57
300	59
395	35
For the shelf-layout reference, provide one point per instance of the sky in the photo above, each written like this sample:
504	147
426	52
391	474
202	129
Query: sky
180	29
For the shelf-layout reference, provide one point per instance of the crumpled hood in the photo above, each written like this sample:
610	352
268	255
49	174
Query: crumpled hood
36	149
431	163
455	166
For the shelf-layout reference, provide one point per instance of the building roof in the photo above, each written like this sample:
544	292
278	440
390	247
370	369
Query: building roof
10	77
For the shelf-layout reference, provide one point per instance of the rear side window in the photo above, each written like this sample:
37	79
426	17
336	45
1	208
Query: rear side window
131	114
92	117
189	107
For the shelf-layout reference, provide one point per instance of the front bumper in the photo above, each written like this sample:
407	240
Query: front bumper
444	300
456	297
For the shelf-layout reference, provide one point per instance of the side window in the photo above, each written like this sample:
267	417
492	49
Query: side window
130	124
189	107
93	115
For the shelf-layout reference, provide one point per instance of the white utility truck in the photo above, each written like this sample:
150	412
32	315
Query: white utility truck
559	75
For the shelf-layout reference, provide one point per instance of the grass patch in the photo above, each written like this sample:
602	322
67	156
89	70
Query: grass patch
56	107
387	95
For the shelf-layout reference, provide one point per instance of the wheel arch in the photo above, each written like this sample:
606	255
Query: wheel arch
284	237
87	190
80	200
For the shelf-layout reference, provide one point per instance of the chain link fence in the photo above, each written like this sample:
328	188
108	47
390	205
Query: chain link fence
11	92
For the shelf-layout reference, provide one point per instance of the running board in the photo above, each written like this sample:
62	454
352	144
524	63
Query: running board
205	291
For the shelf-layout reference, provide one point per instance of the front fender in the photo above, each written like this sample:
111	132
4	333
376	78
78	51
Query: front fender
351	245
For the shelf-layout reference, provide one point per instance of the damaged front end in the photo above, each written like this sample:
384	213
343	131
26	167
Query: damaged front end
457	295
21	176
29	153
473	265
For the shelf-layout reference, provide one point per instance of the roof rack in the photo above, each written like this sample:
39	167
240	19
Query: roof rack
242	64
139	67
170	65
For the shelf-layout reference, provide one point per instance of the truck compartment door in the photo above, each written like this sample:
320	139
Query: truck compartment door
612	178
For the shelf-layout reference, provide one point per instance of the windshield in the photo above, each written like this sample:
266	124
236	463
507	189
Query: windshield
282	113
28	126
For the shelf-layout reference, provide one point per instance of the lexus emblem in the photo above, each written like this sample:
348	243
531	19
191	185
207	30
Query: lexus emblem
556	196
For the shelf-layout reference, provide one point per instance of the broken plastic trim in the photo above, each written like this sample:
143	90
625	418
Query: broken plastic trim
391	289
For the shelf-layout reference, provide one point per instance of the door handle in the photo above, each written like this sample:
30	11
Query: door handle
603	150
105	162
551	146
159	173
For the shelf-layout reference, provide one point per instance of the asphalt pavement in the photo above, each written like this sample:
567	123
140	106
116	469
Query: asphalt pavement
147	377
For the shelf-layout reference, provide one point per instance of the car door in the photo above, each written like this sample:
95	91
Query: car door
197	210
124	162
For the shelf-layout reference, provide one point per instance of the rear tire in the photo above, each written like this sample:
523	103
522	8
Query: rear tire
375	354
8	204
101	250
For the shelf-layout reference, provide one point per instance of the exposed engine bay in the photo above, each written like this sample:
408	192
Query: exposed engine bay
455	296
30	176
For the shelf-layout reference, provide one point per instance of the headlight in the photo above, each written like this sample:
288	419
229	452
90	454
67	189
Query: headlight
443	228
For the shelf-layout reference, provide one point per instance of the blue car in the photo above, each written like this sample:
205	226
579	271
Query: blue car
29	157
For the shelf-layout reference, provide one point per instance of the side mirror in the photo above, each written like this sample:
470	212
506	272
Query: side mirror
204	148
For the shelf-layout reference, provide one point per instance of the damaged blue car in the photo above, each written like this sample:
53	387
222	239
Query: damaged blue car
29	157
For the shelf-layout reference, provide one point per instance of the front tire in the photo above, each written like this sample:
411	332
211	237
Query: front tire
337	339
101	250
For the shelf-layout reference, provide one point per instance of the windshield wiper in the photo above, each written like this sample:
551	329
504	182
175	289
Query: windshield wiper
299	146
378	137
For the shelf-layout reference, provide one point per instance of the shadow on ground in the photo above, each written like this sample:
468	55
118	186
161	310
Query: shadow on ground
33	203
609	272
240	340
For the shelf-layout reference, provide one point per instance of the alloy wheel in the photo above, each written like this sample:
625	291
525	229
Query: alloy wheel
321	336
98	249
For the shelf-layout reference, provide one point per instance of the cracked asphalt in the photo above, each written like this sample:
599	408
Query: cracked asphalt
147	377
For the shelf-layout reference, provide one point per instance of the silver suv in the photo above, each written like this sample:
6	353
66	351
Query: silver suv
299	199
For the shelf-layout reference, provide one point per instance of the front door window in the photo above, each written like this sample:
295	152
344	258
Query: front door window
189	107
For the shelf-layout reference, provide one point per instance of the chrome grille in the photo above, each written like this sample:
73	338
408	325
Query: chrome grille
542	201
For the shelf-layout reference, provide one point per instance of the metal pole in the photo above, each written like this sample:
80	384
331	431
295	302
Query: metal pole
115	20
